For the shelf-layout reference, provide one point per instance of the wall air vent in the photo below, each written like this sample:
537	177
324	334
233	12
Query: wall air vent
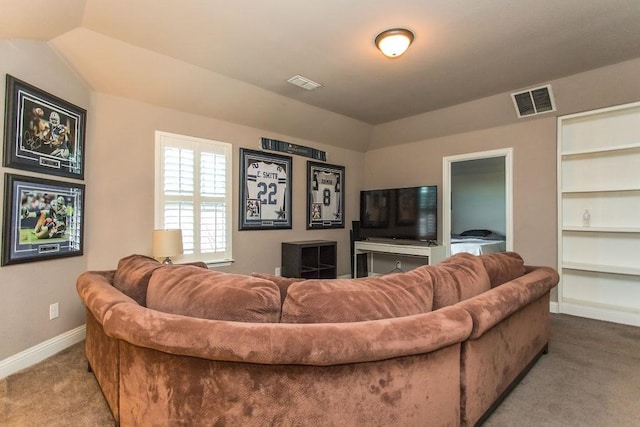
534	101
304	82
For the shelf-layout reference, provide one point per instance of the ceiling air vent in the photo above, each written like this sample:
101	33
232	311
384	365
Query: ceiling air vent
304	82
534	101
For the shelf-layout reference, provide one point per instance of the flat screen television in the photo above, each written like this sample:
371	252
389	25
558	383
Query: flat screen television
400	213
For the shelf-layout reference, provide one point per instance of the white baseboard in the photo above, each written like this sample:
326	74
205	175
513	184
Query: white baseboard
599	313
39	352
554	307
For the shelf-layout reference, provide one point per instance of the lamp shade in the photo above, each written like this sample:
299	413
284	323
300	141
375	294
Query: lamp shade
394	42
167	243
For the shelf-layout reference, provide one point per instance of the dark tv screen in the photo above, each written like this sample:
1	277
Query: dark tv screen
400	213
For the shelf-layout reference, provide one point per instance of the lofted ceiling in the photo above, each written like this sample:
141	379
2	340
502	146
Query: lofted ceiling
231	59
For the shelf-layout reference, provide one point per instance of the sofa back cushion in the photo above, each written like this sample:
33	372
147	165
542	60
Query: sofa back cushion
503	267
353	300
196	292
458	278
132	276
282	283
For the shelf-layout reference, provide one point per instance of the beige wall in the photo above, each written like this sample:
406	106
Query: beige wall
27	289
119	197
534	176
121	172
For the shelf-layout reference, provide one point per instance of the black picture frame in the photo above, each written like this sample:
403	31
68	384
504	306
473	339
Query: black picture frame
325	196
265	190
43	133
43	219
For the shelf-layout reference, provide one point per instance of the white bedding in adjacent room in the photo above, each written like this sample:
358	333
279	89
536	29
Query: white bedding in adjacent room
476	246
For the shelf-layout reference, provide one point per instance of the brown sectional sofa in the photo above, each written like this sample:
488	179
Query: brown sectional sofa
437	346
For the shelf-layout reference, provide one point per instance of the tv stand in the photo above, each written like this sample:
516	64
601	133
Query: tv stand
434	254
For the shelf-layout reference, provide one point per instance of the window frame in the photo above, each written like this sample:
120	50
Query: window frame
198	145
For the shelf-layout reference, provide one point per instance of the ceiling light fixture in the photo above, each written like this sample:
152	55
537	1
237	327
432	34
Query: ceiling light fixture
394	42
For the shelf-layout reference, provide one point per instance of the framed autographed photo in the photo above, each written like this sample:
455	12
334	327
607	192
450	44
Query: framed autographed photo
43	219
265	195
325	196
43	133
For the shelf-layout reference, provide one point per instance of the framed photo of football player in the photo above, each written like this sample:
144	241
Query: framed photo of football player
265	190
325	196
43	219
43	133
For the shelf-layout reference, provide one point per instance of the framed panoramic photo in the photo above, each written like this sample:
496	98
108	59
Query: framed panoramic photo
43	219
265	190
325	196
43	133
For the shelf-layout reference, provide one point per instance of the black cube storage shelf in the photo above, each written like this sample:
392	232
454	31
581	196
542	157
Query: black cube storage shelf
310	259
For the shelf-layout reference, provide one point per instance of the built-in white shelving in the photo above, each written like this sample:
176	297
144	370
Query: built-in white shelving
601	268
602	150
599	214
602	229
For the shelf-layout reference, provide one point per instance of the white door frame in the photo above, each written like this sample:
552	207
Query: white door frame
507	153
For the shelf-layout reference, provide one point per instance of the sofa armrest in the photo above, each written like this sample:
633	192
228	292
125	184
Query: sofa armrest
321	344
491	307
98	294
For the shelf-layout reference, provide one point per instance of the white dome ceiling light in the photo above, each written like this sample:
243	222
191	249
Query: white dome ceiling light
394	42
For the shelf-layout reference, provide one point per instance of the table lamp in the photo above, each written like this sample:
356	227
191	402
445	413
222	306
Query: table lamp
167	244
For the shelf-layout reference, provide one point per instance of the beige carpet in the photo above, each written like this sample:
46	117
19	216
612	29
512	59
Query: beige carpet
56	392
591	377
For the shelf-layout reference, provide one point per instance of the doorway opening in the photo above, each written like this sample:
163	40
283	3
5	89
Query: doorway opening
477	194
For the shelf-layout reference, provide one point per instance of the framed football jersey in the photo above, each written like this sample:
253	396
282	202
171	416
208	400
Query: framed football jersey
325	196
265	190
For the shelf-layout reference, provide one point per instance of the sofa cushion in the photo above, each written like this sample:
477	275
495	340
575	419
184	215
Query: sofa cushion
196	292
282	283
132	276
353	300
458	278
503	267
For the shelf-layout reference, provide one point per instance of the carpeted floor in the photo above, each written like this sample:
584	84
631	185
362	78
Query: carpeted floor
591	377
56	392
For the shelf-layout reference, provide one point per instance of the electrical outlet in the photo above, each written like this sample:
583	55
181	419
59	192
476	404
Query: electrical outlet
53	311
277	271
